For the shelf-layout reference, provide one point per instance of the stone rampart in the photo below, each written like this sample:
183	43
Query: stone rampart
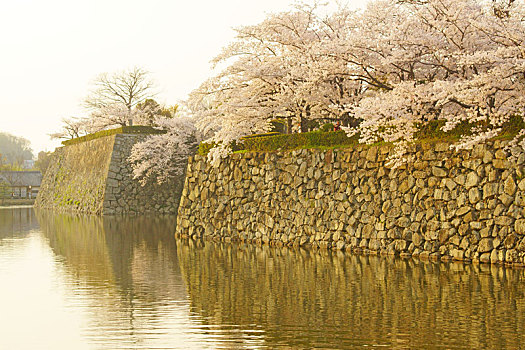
466	205
95	177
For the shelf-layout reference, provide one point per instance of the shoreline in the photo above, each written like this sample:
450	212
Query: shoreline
352	251
16	202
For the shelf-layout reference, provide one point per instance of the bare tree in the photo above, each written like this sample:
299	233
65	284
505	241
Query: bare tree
72	127
127	88
116	99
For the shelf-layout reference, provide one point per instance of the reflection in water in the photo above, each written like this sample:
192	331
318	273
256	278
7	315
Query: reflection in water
123	270
16	222
75	282
116	250
313	299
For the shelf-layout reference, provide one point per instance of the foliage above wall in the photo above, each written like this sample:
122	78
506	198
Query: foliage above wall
139	129
383	73
13	151
313	139
430	131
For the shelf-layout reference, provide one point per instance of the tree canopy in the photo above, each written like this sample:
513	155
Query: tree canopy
127	88
14	150
115	99
382	71
43	161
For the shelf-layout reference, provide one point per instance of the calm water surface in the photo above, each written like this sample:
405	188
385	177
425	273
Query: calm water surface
79	282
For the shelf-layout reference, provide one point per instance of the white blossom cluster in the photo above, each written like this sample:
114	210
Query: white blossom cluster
118	114
287	67
162	156
385	70
443	59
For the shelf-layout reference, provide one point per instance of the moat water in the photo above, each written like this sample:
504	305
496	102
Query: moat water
81	282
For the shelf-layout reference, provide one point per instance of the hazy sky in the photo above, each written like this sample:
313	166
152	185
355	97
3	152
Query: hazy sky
52	49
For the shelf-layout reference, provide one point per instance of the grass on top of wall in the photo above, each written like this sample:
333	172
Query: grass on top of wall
136	129
430	132
277	141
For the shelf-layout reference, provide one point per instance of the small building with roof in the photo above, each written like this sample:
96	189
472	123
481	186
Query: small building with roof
20	184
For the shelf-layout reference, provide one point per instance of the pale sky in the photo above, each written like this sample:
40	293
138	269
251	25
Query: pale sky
52	49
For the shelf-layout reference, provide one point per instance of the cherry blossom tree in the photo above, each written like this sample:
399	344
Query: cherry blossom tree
439	59
107	117
72	127
115	115
385	70
121	98
289	67
116	99
160	157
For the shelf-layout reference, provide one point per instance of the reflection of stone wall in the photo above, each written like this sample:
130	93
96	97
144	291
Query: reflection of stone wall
303	299
16	221
134	253
95	177
81	240
465	206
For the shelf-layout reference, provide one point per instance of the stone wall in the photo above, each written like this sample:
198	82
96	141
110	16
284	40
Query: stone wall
445	205
124	194
95	177
76	177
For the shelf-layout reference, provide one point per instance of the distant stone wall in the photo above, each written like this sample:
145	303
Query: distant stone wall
465	205
95	177
76	177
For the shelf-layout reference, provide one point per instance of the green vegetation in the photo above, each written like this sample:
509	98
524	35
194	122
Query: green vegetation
254	136
4	190
11	167
326	139
312	139
279	125
204	148
431	131
43	161
137	129
327	127
275	142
